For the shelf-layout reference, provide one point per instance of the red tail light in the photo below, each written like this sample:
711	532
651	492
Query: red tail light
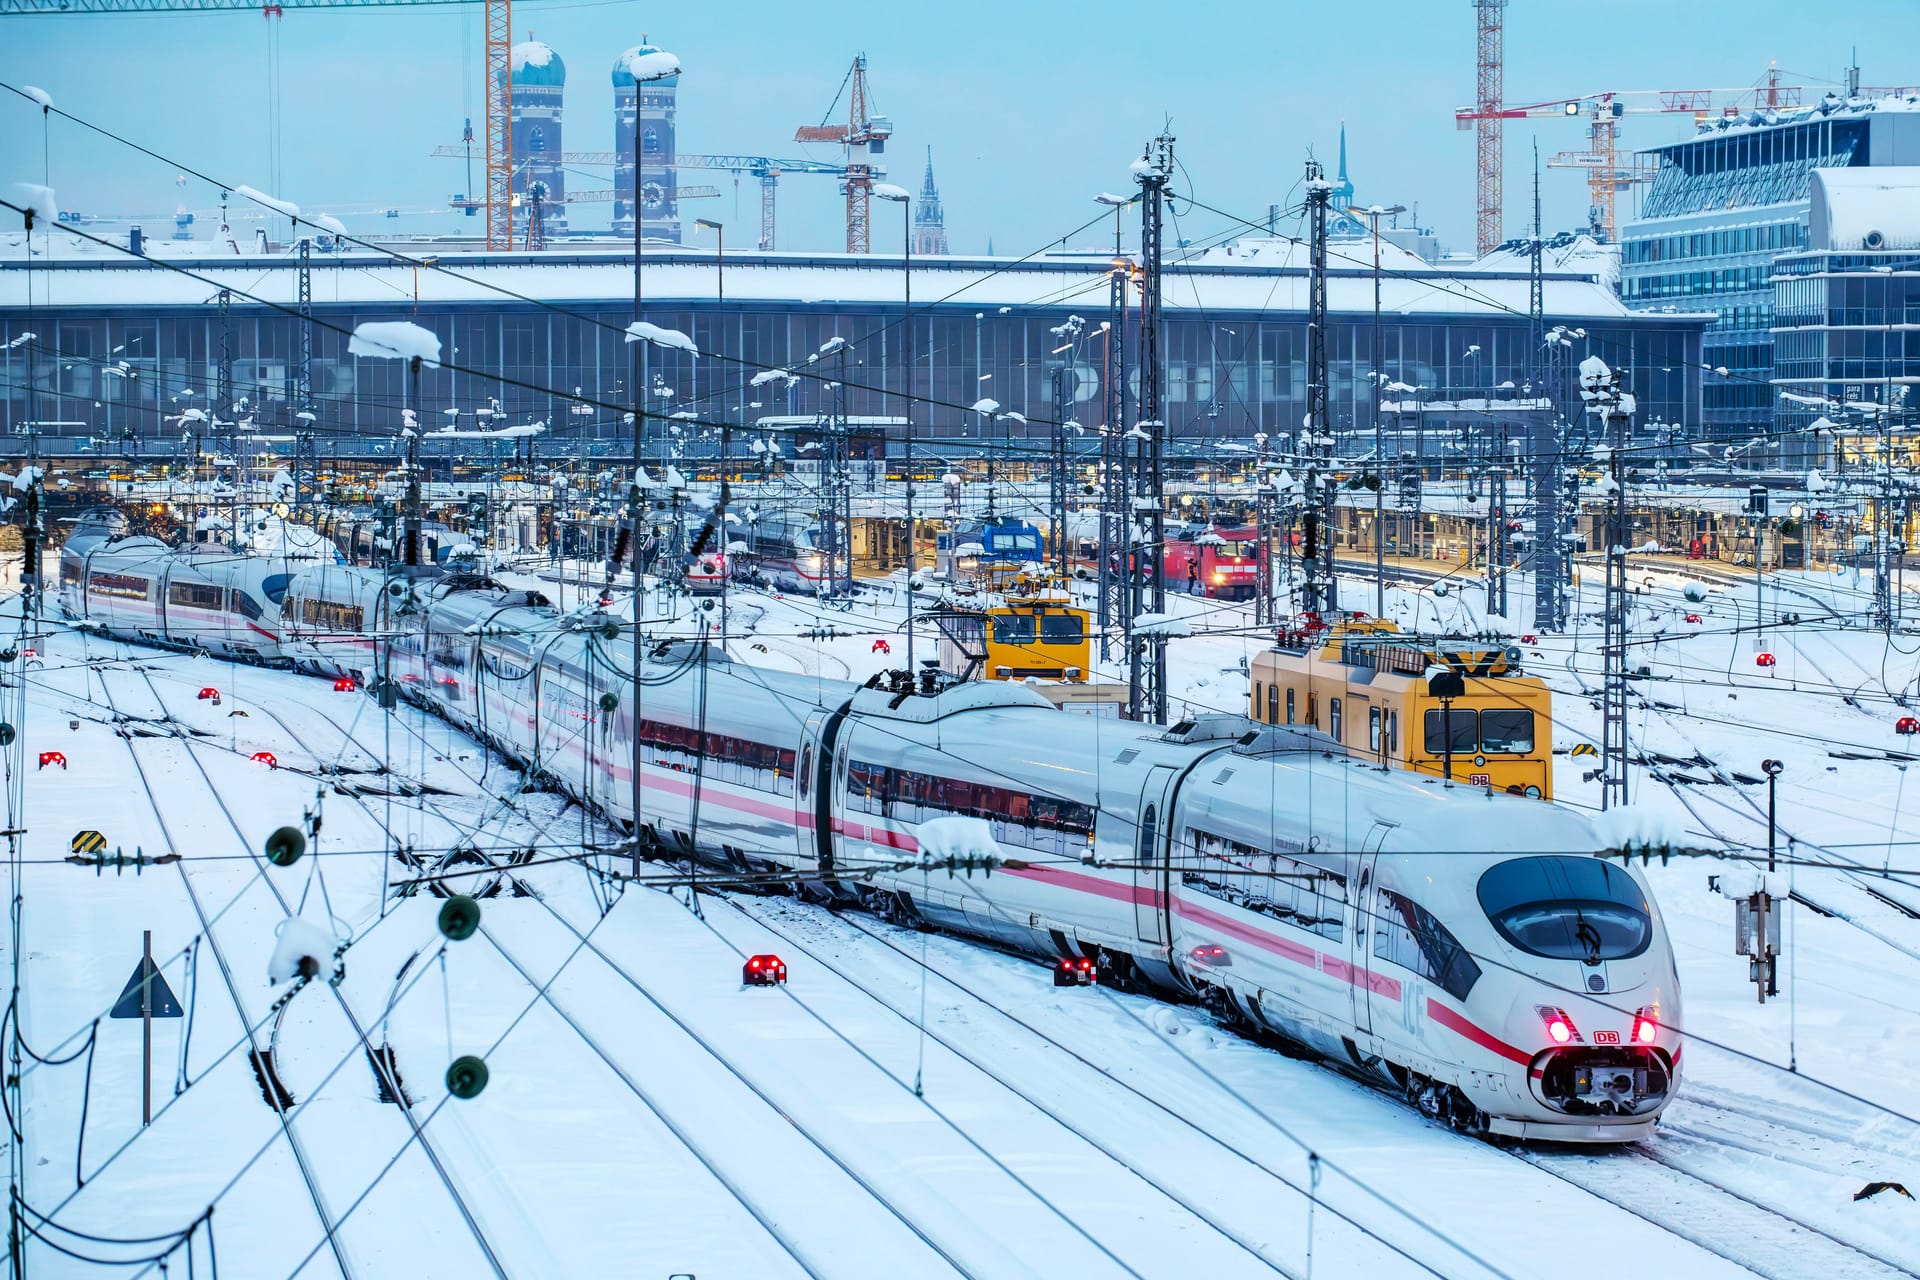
1646	1025
1560	1028
266	758
343	685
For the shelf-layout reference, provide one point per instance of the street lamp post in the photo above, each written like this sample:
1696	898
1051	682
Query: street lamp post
899	196
645	68
1374	213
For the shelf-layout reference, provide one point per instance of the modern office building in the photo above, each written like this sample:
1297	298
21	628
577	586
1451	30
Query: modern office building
1721	207
1846	308
123	343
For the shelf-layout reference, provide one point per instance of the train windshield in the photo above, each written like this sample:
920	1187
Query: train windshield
1567	908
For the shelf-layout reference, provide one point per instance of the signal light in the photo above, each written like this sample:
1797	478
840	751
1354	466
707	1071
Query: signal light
1693	618
266	758
210	694
763	971
1907	726
1646	1025
1560	1028
1763	660
1074	971
53	757
344	685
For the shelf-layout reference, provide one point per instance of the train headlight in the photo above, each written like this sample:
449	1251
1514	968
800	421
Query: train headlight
1646	1025
1534	792
1560	1028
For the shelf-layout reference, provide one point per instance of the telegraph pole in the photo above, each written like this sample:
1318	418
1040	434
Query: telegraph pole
1116	564
1543	443
1057	490
1147	519
1266	517
1320	591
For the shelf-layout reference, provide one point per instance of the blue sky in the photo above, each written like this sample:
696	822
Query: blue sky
1029	108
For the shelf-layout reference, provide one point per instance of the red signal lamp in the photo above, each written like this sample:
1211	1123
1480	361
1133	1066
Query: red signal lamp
1074	971
29	652
1906	726
210	694
1694	618
1763	660
344	685
266	758
881	646
763	971
1560	1028
53	757
1529	639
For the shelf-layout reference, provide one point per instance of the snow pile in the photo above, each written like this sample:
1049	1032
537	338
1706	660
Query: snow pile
1738	886
36	199
887	191
956	838
302	944
1635	826
287	207
986	406
395	340
1161	624
645	64
641	331
284	540
327	222
529	53
38	95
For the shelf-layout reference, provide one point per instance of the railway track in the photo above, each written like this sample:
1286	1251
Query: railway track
418	1135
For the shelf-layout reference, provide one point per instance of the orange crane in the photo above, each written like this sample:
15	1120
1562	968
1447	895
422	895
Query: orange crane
499	125
860	131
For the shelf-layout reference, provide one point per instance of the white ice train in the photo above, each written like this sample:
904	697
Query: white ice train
1463	948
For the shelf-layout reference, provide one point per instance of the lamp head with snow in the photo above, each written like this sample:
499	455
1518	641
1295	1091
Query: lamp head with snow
647	65
395	340
887	191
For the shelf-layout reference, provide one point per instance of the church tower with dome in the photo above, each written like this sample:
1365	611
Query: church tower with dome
645	114
538	79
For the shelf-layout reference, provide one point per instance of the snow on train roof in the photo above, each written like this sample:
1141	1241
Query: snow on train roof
1260	276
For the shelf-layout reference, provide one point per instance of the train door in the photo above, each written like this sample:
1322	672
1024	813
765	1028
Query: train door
1150	888
1360	937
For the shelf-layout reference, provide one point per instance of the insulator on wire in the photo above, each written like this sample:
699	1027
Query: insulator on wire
467	1076
285	846
459	917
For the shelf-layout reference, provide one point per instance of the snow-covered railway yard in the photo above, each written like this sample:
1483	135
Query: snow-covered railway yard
910	1104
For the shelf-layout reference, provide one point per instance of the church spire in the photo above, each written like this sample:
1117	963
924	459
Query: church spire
929	220
1343	186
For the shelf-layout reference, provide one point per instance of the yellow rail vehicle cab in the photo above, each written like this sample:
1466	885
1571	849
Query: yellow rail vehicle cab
1365	684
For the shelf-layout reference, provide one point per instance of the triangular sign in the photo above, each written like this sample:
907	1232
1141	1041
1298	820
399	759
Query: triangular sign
164	1005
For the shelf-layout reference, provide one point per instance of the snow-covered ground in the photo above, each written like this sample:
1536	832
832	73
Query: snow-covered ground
908	1105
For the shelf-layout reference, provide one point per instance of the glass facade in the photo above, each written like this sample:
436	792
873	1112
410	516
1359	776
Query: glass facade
1721	207
121	373
1846	327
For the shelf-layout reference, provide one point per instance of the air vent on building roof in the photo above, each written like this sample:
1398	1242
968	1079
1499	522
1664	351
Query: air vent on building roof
1875	239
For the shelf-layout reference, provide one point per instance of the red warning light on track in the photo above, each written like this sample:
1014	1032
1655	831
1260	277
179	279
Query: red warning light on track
1529	639
344	685
210	694
881	646
29	653
53	757
266	758
1763	660
1694	618
763	971
1906	726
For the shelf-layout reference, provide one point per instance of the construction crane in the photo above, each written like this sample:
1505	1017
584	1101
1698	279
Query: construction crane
1607	174
860	131
499	88
764	168
1490	67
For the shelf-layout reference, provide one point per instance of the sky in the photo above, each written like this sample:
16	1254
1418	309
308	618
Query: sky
1029	109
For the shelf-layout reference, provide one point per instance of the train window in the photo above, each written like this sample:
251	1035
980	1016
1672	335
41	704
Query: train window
1462	726
193	595
1405	933
1273	703
1148	830
1373	729
274	586
1313	710
1289	706
1013	628
1567	908
1062	628
1393	733
1299	893
1509	730
806	766
1333	718
244	606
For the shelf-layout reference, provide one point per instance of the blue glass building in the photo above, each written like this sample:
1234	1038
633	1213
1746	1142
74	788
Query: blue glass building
1722	206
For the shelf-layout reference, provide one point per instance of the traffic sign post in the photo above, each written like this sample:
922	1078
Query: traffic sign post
146	997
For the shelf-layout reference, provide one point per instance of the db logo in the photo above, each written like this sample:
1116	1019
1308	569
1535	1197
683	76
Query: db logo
1606	1037
1480	780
